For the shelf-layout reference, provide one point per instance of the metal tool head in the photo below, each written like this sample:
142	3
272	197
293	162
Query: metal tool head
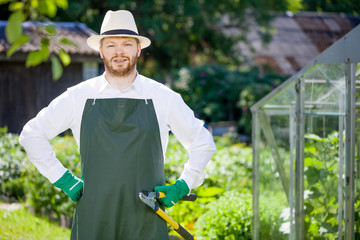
149	198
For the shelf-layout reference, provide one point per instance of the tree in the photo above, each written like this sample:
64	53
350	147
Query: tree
37	10
340	6
184	33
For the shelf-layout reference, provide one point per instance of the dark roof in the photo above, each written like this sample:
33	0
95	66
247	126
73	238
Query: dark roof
299	38
76	32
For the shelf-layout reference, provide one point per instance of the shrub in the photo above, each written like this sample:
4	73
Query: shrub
227	218
229	168
216	93
271	220
12	158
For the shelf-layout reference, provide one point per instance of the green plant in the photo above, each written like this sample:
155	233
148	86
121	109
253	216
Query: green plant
21	224
321	186
12	158
229	168
228	218
216	93
271	221
321	199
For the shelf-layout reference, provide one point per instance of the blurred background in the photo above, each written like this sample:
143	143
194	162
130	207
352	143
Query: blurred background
221	56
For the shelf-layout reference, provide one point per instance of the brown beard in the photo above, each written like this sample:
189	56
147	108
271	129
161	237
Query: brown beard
130	68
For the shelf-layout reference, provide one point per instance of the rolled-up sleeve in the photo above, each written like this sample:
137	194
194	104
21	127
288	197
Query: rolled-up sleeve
195	138
35	136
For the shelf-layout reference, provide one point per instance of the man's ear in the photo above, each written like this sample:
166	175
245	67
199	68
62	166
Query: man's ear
139	50
100	51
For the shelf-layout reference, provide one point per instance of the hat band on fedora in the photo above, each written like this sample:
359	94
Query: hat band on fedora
120	31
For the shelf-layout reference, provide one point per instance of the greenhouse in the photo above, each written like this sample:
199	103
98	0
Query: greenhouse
306	150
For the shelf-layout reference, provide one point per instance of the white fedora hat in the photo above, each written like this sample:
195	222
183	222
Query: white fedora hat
119	23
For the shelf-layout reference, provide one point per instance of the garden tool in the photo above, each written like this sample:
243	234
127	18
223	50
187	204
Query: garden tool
150	199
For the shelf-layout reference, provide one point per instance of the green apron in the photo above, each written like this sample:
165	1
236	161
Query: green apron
121	155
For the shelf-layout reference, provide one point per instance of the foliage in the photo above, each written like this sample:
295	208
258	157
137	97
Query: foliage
11	160
229	169
19	178
186	32
230	217
234	225
21	224
38	10
182	33
340	6
270	217
322	171
218	94
321	187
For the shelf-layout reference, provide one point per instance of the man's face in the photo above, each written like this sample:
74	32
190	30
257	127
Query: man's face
120	55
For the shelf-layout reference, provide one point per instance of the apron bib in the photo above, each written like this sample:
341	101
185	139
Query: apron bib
121	155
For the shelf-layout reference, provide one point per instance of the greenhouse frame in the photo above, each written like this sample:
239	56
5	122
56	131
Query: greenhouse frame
306	150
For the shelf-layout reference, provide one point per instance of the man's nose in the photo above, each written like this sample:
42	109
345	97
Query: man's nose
119	50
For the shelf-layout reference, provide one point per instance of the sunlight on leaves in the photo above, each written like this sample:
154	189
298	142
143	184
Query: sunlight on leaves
56	68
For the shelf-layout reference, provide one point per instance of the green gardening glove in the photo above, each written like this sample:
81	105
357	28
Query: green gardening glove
173	192
71	185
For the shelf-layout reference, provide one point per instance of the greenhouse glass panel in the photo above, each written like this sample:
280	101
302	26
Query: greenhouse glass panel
325	89
306	150
275	163
357	155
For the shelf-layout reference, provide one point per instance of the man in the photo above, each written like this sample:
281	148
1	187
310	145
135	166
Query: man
121	121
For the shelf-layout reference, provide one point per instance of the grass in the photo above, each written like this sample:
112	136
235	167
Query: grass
23	225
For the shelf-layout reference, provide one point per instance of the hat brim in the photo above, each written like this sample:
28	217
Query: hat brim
94	41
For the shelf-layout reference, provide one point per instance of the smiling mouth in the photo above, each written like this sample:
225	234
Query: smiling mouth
120	61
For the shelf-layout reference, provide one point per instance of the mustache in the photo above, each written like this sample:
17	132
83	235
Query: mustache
119	56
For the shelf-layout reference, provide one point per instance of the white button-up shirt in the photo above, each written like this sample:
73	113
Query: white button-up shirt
66	110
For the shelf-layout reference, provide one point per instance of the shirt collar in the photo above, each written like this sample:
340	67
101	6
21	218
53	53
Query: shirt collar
104	84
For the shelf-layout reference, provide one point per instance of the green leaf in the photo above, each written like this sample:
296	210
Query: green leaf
45	51
13	29
34	58
323	173
62	4
315	193
35	3
47	8
17	44
16	6
56	68
68	42
65	58
312	175
45	42
51	29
